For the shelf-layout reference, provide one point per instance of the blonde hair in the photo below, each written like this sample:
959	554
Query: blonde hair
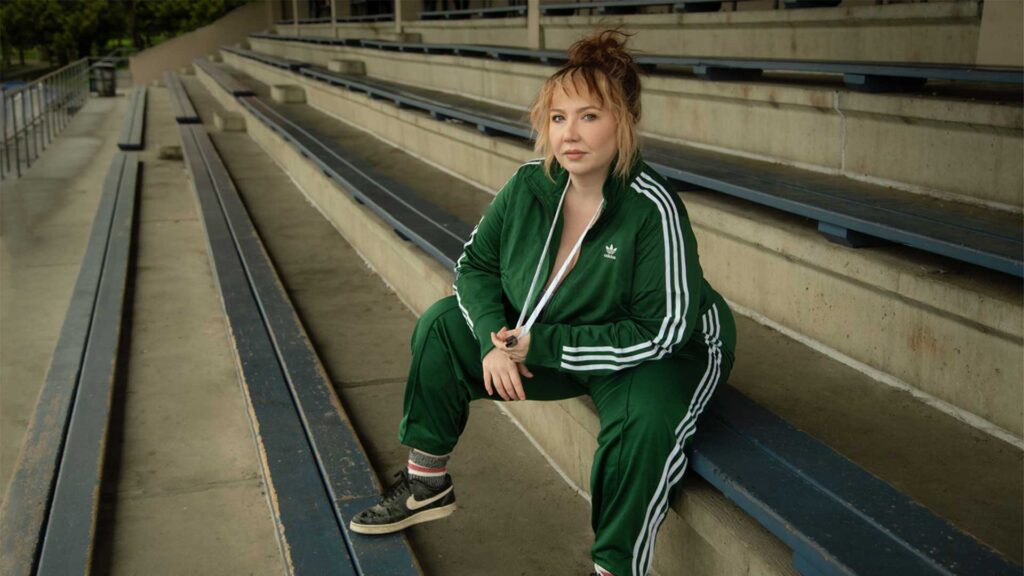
599	65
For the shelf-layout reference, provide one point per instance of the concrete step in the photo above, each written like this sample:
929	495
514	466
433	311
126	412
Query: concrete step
949	142
856	30
947	331
858	416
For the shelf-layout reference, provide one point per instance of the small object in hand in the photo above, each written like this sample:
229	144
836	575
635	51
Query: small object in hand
511	342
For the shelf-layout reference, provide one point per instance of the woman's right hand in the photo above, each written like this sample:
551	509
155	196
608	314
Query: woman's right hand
501	375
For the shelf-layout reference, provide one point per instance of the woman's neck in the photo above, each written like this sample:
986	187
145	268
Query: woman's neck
588	187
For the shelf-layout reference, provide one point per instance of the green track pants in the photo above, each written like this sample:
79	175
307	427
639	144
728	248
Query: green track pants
648	415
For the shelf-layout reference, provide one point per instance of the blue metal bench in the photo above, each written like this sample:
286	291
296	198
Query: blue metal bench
630	6
225	80
863	76
850	212
283	63
497	12
48	521
184	111
339	19
132	132
367	18
839	519
811	3
316	467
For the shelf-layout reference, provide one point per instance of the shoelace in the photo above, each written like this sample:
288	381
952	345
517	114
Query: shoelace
397	489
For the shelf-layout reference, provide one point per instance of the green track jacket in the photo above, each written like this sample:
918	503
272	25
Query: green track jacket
636	293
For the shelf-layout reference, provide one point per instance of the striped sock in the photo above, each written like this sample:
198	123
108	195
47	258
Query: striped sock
428	468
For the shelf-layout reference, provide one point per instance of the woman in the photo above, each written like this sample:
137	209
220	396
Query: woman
582	277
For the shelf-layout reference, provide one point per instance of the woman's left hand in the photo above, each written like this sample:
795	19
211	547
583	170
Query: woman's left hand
518	352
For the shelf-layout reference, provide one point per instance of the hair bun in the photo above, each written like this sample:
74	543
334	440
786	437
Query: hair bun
605	50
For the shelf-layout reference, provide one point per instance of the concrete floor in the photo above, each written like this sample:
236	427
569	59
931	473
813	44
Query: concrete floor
512	504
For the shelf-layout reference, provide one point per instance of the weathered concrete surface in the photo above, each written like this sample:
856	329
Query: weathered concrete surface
935	32
947	143
880	428
918	32
1001	41
369	30
361	332
45	220
943	327
353	67
287	94
229	122
182	488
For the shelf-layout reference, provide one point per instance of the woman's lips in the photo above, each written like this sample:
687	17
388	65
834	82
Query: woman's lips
574	155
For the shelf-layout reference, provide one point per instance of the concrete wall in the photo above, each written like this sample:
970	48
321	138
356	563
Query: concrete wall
933	32
950	148
915	32
234	27
1001	42
371	31
949	330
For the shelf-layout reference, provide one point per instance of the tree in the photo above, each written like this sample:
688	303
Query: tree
70	29
24	22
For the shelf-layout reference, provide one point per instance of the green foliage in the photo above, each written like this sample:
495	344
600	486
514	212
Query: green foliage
65	30
173	17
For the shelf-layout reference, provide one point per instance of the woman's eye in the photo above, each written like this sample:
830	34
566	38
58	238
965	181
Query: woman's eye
590	116
557	118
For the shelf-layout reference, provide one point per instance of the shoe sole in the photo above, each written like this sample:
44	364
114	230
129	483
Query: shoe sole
418	518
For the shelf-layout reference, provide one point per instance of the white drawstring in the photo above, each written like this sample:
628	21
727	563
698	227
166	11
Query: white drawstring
511	341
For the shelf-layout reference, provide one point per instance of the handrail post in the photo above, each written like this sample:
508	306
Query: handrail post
43	115
34	113
47	118
63	99
25	113
17	145
32	123
3	133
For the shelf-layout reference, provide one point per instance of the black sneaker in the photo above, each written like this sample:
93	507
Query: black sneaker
406	502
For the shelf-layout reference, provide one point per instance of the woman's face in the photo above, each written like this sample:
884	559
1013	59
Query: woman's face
581	134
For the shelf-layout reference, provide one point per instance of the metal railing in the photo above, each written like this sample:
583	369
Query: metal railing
31	116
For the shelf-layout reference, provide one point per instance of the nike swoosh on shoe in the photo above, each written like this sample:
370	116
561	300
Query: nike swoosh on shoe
413	504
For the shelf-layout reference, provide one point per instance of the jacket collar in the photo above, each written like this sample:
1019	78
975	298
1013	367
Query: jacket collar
614	191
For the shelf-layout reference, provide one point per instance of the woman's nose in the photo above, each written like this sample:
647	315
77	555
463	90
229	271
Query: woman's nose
571	133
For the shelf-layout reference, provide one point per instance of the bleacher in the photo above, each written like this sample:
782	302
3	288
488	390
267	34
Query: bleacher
418	81
849	212
858	202
48	520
